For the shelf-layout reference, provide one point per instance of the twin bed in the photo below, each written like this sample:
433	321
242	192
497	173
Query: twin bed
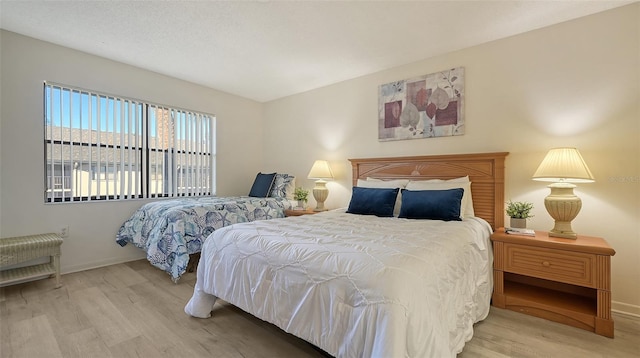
362	285
172	232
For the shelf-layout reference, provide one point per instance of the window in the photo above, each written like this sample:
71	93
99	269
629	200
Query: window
104	147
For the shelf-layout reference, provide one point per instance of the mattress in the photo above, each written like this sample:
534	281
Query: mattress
354	285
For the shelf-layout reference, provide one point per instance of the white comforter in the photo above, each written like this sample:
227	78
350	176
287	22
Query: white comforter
353	285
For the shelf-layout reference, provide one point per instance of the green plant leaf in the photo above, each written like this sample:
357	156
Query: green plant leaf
519	209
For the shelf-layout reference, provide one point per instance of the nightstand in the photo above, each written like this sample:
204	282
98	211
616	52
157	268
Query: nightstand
562	280
291	212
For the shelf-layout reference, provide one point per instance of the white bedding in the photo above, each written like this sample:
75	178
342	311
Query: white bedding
355	286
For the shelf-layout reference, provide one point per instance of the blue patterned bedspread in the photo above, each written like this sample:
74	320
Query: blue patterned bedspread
170	230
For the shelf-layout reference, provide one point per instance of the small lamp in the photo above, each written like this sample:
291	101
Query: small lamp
563	167
321	172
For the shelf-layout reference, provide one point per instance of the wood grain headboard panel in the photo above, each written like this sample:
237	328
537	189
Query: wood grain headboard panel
485	170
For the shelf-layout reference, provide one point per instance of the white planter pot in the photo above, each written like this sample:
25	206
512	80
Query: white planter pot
518	223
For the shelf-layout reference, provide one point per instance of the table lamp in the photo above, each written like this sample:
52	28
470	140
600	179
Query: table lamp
563	167
321	172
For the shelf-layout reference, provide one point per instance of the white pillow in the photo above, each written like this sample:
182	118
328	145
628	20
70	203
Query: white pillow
464	179
392	184
466	206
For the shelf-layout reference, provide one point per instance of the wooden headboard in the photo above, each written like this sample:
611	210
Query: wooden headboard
485	170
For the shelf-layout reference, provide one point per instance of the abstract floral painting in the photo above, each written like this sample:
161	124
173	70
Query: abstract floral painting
427	106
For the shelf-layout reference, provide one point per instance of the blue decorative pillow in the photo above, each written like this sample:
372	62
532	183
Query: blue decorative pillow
283	186
262	185
431	204
373	201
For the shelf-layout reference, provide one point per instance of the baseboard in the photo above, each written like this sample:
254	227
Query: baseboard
98	264
625	308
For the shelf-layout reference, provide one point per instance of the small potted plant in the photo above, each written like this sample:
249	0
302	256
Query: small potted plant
519	212
301	195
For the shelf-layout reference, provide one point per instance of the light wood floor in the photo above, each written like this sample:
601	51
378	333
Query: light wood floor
134	310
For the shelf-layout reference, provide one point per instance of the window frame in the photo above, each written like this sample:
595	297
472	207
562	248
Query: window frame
169	130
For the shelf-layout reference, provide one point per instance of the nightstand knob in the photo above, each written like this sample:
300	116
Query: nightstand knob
546	263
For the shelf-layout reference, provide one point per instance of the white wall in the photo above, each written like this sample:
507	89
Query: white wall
25	64
573	84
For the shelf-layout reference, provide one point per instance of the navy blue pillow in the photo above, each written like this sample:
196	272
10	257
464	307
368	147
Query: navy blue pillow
431	204
262	185
373	201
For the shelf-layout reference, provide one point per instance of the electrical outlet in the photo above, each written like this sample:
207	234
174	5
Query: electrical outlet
64	231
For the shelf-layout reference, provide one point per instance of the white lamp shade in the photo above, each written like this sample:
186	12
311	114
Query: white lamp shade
320	171
563	165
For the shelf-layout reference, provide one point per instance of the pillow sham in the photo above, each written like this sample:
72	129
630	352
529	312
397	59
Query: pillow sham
431	204
283	186
373	201
262	185
377	183
466	206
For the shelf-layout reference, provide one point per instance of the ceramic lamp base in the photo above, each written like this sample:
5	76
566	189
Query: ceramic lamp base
563	206
320	193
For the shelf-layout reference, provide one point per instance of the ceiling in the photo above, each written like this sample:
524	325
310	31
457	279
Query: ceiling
264	50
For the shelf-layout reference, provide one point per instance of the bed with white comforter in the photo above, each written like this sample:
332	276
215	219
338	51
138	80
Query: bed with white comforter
354	285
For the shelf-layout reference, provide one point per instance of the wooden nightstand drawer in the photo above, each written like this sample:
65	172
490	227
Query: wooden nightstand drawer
563	266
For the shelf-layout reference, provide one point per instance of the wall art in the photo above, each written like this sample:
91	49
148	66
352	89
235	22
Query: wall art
422	107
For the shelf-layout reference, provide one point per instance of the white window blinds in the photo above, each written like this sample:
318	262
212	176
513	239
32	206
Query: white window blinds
105	147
